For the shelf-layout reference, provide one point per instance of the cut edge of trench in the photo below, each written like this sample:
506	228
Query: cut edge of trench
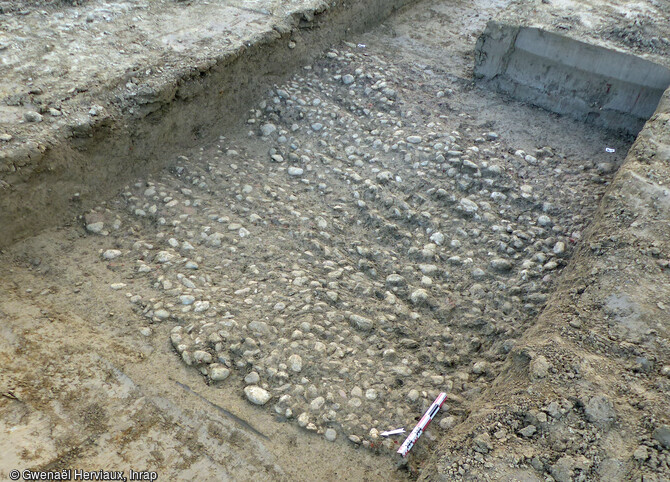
66	174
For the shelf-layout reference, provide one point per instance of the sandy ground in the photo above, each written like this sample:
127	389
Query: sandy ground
259	247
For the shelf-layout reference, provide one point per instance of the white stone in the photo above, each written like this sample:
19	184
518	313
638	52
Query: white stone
95	228
480	367
330	434
321	223
32	116
201	356
303	419
317	404
162	314
437	238
252	378
559	247
385	176
539	367
268	129
219	373
551	265
469	206
186	299
257	395
111	254
500	264
295	363
163	257
419	296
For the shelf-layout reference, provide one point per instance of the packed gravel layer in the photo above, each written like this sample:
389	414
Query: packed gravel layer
354	253
94	94
585	393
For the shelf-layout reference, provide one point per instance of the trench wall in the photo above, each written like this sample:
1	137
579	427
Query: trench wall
606	87
604	335
171	113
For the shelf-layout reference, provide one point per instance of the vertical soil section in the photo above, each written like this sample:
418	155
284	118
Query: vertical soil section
54	176
606	87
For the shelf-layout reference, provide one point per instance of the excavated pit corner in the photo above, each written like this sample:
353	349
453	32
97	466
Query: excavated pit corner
594	84
603	334
50	180
594	363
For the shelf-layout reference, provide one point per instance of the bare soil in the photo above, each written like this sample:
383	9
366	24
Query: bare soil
97	325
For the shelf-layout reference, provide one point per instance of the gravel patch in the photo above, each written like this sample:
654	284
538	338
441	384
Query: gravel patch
356	254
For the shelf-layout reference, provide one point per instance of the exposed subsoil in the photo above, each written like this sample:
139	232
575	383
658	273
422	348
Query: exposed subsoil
377	230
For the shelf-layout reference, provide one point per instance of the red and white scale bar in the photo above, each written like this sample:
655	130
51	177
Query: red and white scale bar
421	426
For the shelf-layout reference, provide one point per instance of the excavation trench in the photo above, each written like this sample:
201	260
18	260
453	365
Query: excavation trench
594	84
376	229
152	109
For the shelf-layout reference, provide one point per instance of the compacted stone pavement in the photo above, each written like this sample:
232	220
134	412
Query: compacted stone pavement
361	245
